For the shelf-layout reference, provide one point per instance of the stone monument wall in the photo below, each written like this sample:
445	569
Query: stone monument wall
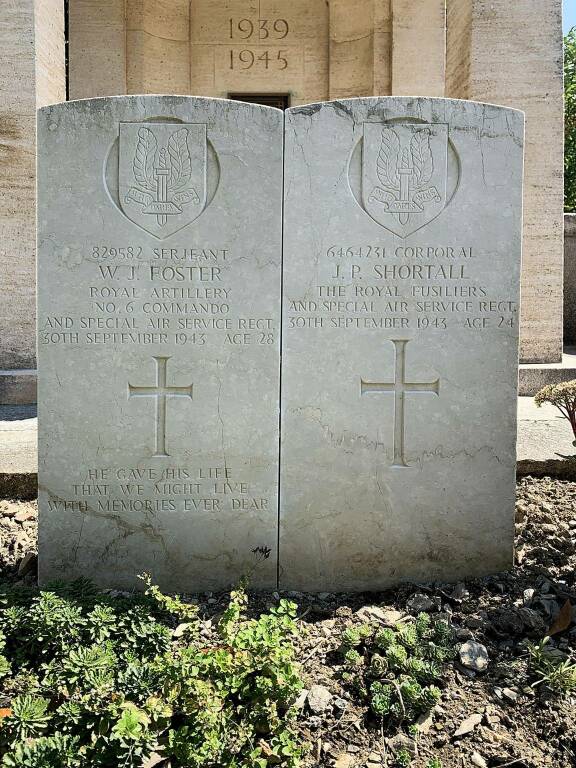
20	70
462	48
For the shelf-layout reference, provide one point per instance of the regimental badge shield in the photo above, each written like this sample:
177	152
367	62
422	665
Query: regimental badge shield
404	172
162	175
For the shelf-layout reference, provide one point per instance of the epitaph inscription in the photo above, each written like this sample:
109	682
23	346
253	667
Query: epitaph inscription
401	290
159	295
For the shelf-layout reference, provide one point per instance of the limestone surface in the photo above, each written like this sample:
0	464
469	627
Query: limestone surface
488	61
26	81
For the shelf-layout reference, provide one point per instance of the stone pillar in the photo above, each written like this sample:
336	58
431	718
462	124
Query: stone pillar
382	48
387	47
511	54
418	47
158	46
97	48
49	45
352	48
24	84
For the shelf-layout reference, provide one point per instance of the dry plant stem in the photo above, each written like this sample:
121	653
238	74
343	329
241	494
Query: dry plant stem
393	682
313	651
351	724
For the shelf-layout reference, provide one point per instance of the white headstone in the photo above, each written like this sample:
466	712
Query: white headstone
399	376
159	253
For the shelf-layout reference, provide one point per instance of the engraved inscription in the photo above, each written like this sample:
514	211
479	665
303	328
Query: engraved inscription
258	33
183	489
399	387
267	59
261	29
160	393
402	287
148	296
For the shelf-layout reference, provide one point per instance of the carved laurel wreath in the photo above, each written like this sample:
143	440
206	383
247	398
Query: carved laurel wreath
389	159
175	157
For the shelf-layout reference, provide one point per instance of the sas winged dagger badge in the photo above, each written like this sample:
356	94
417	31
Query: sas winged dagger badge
162	175
404	172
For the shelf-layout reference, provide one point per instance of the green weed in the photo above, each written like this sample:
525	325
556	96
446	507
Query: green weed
550	668
99	681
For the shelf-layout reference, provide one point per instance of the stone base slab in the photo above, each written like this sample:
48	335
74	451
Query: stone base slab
18	387
534	376
545	442
23	487
18	452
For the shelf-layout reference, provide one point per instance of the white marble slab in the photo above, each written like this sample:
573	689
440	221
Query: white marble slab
159	254
402	239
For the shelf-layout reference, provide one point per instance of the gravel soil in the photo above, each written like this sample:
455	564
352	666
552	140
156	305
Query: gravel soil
516	725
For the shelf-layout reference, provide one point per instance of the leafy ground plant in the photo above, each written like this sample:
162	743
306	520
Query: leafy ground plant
403	758
93	681
397	671
551	667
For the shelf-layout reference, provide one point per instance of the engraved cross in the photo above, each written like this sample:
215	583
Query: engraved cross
399	387
161	392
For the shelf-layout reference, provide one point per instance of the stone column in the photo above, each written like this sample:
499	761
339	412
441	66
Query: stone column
97	48
25	83
382	48
49	46
418	47
511	54
158	46
351	48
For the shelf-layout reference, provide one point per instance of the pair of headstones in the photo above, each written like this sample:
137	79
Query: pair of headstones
204	264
